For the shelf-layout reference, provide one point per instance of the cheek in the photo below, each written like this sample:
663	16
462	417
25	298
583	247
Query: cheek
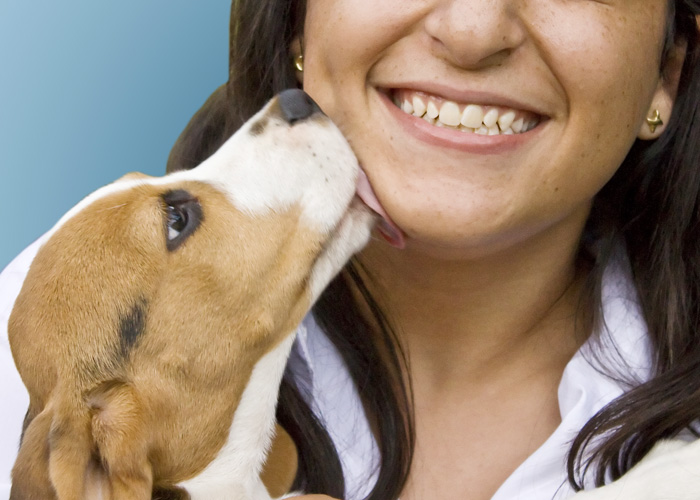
607	70
343	39
607	66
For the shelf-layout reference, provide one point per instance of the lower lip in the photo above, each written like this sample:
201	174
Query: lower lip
468	142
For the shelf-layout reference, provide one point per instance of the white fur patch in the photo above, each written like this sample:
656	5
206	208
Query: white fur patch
352	234
235	472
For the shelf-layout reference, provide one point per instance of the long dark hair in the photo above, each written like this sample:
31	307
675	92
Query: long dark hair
652	204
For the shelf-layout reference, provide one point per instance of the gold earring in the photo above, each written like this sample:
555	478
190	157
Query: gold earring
654	121
299	63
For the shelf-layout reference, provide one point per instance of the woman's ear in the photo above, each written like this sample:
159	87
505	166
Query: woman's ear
296	54
661	107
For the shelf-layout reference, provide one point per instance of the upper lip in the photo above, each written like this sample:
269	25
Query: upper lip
484	98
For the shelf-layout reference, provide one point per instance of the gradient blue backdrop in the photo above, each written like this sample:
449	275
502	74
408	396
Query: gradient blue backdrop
92	89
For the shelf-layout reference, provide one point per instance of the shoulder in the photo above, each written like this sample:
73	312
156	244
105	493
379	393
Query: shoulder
670	470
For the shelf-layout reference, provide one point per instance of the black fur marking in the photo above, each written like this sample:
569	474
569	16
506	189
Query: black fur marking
172	493
131	327
259	126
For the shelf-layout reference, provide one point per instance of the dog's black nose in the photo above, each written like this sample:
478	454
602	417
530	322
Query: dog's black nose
296	105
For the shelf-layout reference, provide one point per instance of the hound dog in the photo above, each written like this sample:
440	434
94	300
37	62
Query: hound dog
154	325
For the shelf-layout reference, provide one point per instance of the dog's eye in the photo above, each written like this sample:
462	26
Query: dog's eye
177	221
183	214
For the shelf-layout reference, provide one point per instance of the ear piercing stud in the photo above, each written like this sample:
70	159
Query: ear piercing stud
654	121
299	63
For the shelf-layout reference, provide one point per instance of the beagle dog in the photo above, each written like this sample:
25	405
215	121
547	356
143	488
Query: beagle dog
154	326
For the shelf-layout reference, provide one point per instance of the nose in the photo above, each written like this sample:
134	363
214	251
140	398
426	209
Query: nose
477	33
296	105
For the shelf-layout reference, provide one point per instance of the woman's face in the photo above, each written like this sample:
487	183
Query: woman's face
570	82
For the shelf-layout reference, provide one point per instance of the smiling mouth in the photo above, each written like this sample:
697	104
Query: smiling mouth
482	119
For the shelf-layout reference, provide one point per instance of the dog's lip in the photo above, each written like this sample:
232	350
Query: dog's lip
386	227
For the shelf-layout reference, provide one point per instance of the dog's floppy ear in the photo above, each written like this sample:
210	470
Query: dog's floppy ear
121	442
30	475
53	450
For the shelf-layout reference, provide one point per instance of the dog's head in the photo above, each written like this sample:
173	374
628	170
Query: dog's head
183	283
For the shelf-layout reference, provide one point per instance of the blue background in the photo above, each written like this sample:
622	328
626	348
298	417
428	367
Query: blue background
92	89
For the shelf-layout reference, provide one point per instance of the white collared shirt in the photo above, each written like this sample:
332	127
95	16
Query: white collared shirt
583	390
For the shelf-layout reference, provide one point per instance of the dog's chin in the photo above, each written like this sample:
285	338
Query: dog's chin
349	236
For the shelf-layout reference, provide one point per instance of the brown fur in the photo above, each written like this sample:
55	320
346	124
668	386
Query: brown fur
135	418
281	465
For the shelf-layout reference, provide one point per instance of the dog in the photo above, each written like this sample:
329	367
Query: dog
154	325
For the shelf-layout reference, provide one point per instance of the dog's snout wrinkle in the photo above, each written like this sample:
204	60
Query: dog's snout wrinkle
297	105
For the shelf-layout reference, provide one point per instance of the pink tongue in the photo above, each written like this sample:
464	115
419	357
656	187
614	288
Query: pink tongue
386	226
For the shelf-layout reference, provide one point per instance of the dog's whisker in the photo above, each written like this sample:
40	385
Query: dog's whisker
113	207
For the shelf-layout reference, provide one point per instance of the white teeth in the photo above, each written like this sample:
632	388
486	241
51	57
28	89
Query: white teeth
491	117
472	116
517	125
472	119
418	106
506	120
449	114
431	110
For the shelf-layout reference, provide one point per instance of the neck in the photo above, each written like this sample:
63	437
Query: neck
477	316
235	472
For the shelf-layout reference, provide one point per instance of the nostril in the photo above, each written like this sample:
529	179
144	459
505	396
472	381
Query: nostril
296	105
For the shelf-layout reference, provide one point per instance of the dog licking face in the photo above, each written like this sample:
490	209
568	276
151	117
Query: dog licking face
154	325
